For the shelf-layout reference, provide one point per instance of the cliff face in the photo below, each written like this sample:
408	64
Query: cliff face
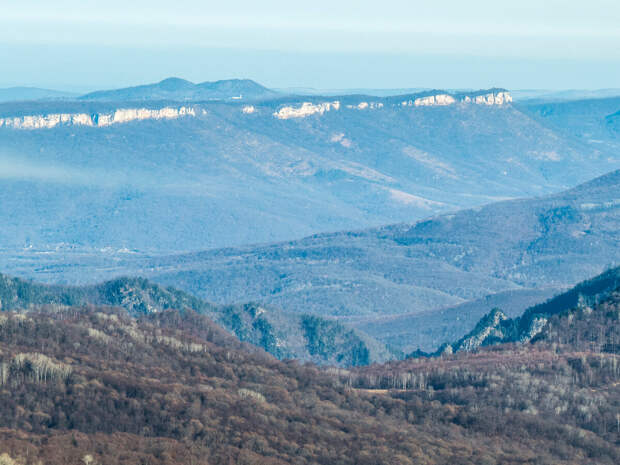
496	328
287	111
306	109
433	100
120	116
490	98
442	99
488	329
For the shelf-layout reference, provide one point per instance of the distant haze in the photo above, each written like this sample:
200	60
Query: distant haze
80	46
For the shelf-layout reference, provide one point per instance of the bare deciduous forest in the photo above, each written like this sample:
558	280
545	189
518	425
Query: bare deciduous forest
91	385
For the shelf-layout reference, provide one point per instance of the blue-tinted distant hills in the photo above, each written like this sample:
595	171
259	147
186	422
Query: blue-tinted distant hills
556	240
18	94
180	89
408	285
593	121
355	91
175	189
234	173
542	95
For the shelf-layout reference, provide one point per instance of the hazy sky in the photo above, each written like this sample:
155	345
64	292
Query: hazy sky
320	43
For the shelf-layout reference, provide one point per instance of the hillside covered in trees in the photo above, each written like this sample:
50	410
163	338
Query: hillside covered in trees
302	337
92	384
497	328
564	384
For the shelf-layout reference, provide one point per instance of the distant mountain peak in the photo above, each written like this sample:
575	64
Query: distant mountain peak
175	88
175	83
15	94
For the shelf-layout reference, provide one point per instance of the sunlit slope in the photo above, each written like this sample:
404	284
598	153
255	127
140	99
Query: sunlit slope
137	175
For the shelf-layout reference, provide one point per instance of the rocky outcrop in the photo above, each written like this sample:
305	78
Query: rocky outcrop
120	116
488	330
492	98
125	115
496	328
440	100
306	109
434	100
366	106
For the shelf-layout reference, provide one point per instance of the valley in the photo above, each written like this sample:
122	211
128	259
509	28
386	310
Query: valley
191	301
309	233
237	174
174	192
172	386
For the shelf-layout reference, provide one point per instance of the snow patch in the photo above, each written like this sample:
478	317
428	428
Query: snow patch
362	171
547	156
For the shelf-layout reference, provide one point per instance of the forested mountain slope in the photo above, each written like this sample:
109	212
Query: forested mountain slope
515	248
427	330
302	337
180	89
533	324
545	242
175	175
93	385
592	121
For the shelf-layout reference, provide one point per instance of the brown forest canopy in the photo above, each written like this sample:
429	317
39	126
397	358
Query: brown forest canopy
94	384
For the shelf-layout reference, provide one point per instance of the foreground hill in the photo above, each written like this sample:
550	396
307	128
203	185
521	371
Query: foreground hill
93	385
302	337
569	376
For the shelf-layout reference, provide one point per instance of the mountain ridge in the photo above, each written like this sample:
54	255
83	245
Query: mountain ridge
22	93
180	89
242	173
496	328
552	231
302	337
435	264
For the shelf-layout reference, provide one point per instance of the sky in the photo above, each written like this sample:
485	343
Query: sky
327	44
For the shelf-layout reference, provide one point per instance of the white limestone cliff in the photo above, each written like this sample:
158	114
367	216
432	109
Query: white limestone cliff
366	106
434	100
306	109
120	116
490	98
